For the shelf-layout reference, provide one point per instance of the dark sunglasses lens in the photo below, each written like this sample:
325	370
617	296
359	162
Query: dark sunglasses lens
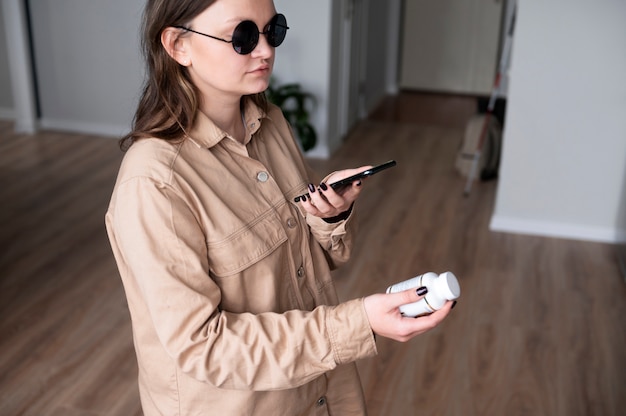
245	37
276	30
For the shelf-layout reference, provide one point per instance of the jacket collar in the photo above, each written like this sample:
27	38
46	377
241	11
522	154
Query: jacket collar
206	134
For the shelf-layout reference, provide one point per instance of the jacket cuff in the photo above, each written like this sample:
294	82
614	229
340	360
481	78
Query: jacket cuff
328	228
343	216
350	333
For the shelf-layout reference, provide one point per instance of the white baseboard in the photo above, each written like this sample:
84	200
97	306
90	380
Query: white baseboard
559	230
7	114
99	129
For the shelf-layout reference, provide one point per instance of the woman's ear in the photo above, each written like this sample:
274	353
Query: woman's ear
175	45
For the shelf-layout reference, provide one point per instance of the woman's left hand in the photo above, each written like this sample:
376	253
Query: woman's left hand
324	202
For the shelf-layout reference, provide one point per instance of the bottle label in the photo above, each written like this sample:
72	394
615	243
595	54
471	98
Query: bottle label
412	283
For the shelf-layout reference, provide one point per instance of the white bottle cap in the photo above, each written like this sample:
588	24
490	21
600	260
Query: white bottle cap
448	286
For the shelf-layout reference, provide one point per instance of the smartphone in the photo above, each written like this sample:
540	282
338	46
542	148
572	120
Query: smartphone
348	181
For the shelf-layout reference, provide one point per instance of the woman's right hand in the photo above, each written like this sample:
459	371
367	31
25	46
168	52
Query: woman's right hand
386	320
325	202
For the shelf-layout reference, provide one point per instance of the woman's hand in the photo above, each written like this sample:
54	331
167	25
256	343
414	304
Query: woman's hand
387	321
324	202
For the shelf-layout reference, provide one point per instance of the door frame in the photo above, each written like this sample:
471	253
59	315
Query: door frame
351	81
20	66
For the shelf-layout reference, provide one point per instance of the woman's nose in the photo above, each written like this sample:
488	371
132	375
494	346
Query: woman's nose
263	49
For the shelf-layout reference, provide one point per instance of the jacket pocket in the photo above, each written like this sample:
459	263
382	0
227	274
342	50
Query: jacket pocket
246	246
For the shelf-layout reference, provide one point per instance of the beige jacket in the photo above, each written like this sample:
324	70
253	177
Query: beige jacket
228	281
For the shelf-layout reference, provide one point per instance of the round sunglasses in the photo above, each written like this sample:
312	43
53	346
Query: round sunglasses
246	34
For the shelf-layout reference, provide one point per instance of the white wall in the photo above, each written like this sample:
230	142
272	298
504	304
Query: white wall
304	57
563	170
88	63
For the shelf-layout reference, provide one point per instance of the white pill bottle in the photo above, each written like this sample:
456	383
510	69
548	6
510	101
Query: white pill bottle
441	288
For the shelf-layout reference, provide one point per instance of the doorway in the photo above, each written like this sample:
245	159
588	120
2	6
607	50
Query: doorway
450	46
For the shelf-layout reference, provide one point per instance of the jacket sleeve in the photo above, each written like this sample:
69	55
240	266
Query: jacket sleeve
336	238
162	256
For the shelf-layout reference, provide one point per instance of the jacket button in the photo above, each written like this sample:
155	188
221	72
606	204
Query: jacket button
301	272
262	176
321	401
291	223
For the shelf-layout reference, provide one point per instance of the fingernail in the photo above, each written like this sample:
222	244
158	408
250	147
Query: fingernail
311	188
453	305
303	198
323	186
296	199
421	291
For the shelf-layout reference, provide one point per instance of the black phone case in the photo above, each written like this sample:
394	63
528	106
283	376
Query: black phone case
347	181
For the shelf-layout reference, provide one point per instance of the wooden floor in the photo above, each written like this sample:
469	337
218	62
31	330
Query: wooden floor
540	328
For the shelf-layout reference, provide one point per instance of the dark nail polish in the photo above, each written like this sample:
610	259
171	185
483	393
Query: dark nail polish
323	186
303	198
421	291
311	188
453	305
296	199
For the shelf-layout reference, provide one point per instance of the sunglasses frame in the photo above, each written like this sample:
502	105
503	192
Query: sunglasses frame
239	48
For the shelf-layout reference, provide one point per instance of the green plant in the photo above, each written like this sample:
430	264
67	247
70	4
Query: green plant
295	105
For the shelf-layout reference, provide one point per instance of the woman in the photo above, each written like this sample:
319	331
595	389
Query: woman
227	277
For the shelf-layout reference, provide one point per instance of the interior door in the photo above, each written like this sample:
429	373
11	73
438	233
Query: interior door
450	45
